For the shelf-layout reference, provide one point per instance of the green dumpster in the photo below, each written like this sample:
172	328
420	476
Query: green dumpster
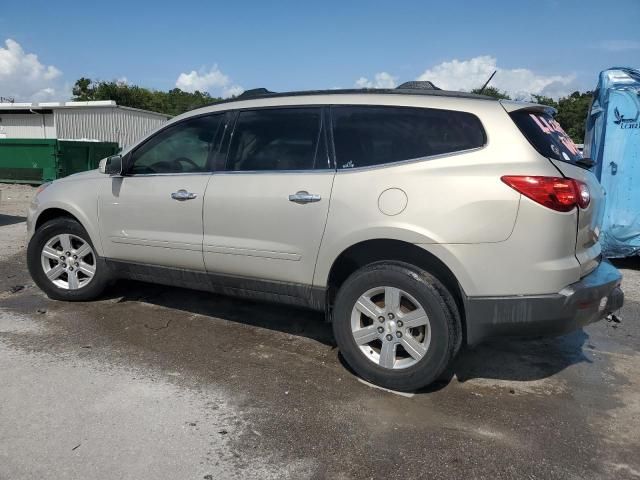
28	160
36	161
77	156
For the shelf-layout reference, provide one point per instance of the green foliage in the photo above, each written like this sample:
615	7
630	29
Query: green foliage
542	100
572	112
82	89
172	102
492	92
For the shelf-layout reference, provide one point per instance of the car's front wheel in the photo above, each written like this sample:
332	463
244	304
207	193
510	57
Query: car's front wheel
396	325
63	262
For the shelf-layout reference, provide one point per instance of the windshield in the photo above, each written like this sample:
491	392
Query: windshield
546	135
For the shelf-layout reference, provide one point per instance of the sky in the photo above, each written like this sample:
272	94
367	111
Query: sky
549	47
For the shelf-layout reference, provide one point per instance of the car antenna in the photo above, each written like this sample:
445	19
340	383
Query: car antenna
487	82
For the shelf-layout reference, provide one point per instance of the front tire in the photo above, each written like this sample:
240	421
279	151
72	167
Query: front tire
63	262
396	325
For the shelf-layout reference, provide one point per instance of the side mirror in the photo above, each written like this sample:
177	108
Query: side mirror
111	165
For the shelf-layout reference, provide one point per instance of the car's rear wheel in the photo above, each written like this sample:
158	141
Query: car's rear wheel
396	325
63	262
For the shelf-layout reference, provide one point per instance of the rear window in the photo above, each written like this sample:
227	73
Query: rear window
367	136
546	135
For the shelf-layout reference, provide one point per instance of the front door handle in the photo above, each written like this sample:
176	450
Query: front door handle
304	197
182	195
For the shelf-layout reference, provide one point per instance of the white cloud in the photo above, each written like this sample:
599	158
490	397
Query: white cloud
213	81
24	78
619	45
519	83
381	80
232	91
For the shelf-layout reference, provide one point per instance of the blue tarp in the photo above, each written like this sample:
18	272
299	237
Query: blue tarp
612	139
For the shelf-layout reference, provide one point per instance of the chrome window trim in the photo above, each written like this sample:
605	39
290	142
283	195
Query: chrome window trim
224	172
173	174
412	160
324	170
274	172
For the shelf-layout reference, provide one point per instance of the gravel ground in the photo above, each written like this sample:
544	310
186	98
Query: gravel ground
14	200
159	382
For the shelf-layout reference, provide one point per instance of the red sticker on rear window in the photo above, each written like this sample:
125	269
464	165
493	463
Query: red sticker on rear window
552	127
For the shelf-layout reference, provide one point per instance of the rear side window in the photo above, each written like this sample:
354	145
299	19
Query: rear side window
367	136
546	135
275	139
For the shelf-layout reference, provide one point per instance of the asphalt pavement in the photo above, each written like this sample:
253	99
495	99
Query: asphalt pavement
165	383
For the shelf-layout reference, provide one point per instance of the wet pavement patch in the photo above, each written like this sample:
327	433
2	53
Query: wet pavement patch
170	383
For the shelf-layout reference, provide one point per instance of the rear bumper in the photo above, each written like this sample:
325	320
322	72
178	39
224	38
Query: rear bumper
589	300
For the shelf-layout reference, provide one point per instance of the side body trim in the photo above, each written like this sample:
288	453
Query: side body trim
156	243
300	295
252	252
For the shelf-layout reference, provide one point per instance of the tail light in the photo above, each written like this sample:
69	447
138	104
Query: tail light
556	193
584	195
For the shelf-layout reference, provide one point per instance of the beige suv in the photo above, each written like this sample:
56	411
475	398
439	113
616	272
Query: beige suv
417	219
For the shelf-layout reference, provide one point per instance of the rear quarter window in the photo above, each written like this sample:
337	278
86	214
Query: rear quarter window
367	136
546	135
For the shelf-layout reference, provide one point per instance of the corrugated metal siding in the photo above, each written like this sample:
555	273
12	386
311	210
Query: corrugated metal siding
27	125
134	124
110	124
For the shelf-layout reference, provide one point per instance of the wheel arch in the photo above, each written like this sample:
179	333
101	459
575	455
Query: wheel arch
53	213
384	249
57	211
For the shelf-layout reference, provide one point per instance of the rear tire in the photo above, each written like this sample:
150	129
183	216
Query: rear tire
408	315
63	262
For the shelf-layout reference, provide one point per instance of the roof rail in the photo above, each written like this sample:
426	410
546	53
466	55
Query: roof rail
262	93
417	85
255	92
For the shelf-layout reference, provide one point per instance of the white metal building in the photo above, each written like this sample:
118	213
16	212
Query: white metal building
98	120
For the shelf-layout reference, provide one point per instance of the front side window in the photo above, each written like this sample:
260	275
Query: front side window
182	148
368	136
275	139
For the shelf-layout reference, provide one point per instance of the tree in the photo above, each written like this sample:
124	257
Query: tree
572	112
82	90
173	102
492	92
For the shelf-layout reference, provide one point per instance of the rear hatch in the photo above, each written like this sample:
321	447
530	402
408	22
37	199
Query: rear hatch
549	139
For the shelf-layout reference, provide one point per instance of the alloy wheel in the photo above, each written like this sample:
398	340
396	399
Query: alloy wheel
68	261
390	327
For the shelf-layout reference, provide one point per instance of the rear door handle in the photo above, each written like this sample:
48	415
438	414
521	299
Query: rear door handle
182	195
304	197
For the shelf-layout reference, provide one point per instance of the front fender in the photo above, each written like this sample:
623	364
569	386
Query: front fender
78	199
